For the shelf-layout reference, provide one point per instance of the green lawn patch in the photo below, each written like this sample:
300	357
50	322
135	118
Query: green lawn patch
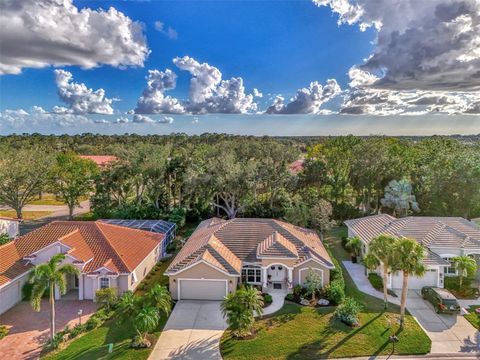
298	332
472	317
94	344
27	215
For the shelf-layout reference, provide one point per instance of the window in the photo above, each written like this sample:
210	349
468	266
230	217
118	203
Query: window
104	283
450	270
252	275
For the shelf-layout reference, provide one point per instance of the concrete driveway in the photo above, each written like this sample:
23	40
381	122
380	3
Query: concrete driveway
29	330
193	331
449	333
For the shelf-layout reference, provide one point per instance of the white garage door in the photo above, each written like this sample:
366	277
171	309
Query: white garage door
202	289
9	296
414	282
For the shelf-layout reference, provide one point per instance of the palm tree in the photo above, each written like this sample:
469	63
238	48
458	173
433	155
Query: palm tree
159	297
381	250
465	266
408	257
145	321
240	308
48	276
354	245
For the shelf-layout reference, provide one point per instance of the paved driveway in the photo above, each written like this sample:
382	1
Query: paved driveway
449	333
193	331
29	330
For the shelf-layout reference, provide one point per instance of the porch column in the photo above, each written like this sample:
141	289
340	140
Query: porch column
80	287
57	293
264	277
290	278
94	287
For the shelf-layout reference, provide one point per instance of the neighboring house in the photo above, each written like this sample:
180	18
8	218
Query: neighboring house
442	237
101	160
9	226
107	255
221	254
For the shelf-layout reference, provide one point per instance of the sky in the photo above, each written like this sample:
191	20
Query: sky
396	67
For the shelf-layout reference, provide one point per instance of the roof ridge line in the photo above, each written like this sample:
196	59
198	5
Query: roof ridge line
111	246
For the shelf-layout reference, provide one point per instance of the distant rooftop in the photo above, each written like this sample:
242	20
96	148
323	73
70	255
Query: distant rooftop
100	160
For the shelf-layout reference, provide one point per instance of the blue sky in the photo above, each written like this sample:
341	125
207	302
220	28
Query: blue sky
277	47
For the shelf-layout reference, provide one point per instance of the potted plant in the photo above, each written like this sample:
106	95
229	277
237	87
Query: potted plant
354	245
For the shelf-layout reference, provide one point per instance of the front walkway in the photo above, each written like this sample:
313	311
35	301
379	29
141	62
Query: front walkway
193	331
450	334
29	330
278	299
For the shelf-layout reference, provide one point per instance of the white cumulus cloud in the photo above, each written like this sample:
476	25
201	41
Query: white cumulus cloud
307	100
40	33
169	32
79	98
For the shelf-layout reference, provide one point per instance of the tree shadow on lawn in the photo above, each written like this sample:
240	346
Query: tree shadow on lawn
309	351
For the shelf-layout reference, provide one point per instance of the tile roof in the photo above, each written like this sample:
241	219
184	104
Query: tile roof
232	242
117	248
449	232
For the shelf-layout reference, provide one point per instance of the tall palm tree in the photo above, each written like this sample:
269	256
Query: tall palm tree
354	245
465	266
381	248
408	257
159	297
48	276
240	308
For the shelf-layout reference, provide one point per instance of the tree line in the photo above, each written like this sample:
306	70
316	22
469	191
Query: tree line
190	178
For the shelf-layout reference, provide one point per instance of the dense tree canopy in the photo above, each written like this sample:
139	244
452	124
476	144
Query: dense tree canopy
225	175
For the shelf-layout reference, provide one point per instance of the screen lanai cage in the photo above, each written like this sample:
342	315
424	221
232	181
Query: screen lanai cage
156	226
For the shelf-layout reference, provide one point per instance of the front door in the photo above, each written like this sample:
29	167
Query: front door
277	273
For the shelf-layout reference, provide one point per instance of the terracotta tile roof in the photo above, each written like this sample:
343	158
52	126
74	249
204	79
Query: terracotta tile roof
117	248
100	160
236	241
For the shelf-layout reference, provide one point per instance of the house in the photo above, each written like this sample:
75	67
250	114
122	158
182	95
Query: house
107	255
442	237
9	226
102	161
268	253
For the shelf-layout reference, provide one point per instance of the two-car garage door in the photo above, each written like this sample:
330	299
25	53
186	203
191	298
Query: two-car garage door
202	289
430	278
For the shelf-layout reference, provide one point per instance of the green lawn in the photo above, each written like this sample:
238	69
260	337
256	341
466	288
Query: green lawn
472	317
27	215
298	332
94	344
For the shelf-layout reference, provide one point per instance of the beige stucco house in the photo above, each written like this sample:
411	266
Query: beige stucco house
442	238
107	255
221	254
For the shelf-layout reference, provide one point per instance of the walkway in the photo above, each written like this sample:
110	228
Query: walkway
450	334
278	298
193	331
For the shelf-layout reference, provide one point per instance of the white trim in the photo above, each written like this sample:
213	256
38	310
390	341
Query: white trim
276	257
201	279
268	266
308	268
195	264
473	252
14	279
56	243
317	261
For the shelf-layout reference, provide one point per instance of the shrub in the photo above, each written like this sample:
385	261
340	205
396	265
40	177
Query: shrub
313	283
107	297
77	330
4	238
267	299
348	311
335	291
290	297
178	216
93	323
3	331
376	281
